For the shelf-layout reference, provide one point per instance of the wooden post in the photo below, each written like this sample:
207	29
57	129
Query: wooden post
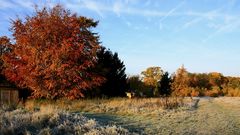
9	97
0	96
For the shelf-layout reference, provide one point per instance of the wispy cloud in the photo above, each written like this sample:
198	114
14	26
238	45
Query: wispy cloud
6	4
209	15
224	28
93	5
12	9
172	11
122	7
147	13
26	4
198	16
117	7
192	22
125	7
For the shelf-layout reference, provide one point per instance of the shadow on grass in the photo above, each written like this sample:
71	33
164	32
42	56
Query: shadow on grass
123	121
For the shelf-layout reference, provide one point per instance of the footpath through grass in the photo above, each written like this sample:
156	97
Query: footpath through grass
212	116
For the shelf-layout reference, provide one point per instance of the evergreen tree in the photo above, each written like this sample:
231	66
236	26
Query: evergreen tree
165	85
112	69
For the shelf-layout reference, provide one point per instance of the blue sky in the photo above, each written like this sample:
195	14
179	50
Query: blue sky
201	34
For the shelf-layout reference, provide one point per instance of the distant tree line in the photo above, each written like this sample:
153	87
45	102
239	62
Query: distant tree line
183	83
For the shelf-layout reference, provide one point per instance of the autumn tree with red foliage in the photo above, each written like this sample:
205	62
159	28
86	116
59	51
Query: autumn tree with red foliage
52	52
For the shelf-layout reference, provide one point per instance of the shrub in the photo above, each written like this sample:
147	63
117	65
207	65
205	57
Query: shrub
195	93
232	92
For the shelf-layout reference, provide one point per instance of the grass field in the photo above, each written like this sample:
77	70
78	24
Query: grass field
213	116
124	116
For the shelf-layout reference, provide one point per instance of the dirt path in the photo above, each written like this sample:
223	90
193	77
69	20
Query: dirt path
214	116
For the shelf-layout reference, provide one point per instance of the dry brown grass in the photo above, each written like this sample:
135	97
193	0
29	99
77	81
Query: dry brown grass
64	117
116	105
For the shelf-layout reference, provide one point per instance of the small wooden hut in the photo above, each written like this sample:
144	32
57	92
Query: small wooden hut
9	94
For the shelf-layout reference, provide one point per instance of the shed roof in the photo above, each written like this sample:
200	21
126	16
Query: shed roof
5	83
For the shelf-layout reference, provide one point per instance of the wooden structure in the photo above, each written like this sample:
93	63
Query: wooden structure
130	94
9	94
